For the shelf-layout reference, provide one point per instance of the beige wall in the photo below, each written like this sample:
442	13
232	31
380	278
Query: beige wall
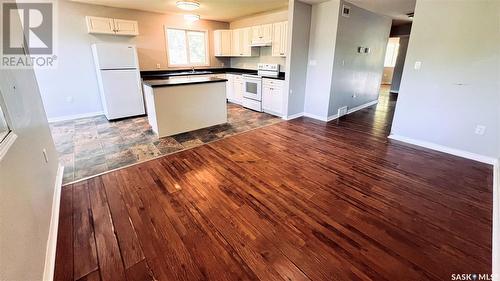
265	52
26	181
151	40
72	88
263	18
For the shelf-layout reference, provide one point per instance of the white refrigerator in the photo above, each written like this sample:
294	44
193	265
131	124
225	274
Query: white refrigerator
119	80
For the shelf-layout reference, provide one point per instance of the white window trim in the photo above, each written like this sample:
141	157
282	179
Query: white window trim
207	47
6	144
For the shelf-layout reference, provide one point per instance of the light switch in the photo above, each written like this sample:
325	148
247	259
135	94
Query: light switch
418	65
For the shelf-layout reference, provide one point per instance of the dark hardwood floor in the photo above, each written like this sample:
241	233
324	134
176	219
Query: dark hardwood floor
299	200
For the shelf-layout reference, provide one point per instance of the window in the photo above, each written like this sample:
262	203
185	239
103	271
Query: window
391	54
187	47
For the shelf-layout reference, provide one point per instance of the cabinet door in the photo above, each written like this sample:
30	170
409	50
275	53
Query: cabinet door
238	89
266	97
246	41
236	43
230	87
266	33
277	100
222	43
277	39
284	39
126	27
256	34
100	25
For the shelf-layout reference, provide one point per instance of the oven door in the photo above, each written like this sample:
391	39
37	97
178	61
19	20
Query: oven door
252	88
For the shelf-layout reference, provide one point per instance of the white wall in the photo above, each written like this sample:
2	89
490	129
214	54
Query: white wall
337	75
26	181
457	86
357	77
323	35
400	62
72	88
298	45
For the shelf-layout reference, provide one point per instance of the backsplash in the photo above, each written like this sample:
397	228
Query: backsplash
265	57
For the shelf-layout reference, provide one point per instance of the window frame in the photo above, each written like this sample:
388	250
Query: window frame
7	140
186	30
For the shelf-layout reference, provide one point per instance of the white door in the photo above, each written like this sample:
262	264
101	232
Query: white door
122	93
100	25
277	39
230	87
236	43
238	89
267	32
126	27
116	56
284	39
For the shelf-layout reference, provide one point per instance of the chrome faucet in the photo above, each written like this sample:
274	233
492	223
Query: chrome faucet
192	69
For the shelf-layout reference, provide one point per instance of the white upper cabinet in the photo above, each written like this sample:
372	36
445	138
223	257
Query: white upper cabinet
222	43
99	25
126	27
241	40
280	39
262	34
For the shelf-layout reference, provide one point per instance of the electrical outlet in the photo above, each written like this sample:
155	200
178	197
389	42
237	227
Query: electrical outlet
342	111
480	130
45	156
158	66
313	62
418	65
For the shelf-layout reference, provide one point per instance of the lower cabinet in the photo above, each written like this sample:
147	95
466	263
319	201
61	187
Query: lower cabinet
273	97
234	88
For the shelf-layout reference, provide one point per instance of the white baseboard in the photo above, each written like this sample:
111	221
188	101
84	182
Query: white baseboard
50	254
445	149
332	117
496	221
313	116
354	109
335	116
76	116
293	116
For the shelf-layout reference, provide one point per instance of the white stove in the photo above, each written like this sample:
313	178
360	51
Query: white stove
252	85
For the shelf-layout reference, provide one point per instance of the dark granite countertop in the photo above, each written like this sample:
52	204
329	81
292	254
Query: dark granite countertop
166	74
181	81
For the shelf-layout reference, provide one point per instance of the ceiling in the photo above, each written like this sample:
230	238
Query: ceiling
220	10
395	9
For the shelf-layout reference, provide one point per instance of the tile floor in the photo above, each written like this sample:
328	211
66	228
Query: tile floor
91	146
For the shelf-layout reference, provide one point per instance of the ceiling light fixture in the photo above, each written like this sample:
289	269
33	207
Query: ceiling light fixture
191	18
188	5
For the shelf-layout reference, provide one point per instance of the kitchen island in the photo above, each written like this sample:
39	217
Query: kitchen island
179	105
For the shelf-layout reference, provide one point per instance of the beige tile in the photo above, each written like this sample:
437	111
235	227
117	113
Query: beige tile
145	151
